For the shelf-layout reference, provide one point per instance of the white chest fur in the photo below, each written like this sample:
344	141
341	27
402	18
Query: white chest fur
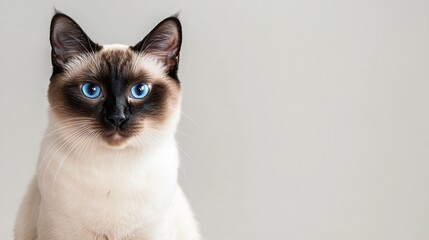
111	192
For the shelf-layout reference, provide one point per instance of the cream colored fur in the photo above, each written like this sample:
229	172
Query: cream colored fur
83	189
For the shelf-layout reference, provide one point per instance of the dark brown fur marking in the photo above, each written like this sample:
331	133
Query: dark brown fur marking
115	72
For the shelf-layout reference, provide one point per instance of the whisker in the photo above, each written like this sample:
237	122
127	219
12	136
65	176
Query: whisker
55	143
65	126
186	135
52	107
72	137
182	166
192	120
83	148
73	120
80	137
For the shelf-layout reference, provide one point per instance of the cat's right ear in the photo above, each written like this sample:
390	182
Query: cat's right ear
68	40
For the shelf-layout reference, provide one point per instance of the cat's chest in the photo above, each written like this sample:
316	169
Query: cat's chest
103	199
123	197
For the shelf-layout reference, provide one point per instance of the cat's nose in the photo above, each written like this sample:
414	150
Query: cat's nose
117	120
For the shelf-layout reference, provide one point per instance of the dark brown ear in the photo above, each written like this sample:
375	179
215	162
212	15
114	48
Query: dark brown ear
68	40
164	42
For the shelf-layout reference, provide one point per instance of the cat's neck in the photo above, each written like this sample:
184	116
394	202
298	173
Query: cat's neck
97	156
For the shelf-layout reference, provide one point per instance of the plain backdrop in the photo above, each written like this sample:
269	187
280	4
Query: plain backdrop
301	119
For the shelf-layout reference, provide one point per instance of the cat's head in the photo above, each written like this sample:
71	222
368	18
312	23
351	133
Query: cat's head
120	95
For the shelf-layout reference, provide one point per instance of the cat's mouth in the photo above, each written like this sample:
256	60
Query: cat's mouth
116	138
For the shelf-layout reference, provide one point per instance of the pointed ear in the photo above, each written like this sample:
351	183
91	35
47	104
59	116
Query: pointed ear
68	40
164	43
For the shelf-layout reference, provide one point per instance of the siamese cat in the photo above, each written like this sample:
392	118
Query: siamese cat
108	163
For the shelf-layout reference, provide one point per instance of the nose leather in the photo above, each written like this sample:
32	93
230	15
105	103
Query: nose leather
116	112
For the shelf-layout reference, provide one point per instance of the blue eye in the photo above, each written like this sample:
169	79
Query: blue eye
140	90
91	90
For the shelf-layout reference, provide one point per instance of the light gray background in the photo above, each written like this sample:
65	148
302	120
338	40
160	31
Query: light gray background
310	119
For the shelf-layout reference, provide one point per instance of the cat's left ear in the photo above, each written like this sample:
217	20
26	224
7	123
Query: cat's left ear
164	43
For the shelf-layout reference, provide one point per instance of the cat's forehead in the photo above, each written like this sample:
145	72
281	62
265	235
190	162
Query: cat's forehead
116	59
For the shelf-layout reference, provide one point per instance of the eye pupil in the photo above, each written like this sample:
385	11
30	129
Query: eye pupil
141	88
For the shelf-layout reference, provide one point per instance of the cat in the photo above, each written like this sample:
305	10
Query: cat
108	163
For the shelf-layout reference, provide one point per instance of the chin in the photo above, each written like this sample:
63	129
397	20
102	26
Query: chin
119	145
116	141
